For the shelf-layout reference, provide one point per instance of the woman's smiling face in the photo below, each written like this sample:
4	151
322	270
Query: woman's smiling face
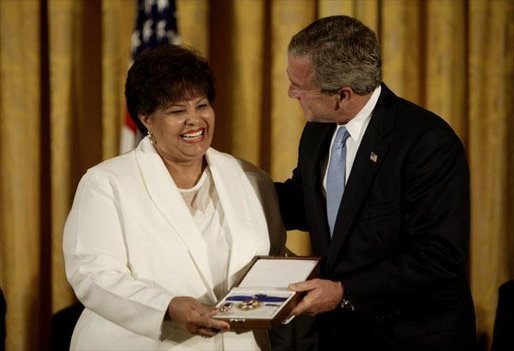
182	131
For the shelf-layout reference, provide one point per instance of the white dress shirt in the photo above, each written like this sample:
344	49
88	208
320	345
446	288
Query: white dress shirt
356	127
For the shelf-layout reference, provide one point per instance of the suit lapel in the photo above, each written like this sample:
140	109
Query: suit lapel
367	162
317	143
245	218
170	203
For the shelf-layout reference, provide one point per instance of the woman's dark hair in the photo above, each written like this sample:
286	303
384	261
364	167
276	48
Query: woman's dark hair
164	75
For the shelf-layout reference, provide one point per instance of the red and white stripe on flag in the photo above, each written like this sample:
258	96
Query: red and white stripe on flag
156	24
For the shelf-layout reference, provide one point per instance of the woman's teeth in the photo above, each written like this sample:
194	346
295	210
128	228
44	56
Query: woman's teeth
192	135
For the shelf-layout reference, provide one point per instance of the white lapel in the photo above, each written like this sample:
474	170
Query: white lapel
169	201
243	211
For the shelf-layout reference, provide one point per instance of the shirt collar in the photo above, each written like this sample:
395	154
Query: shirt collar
356	124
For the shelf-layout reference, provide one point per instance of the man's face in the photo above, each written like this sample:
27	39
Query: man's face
317	107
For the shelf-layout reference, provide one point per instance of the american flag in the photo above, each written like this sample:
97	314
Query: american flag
156	24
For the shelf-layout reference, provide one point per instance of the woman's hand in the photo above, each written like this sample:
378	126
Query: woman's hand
195	317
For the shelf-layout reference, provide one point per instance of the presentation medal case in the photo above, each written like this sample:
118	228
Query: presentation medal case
261	299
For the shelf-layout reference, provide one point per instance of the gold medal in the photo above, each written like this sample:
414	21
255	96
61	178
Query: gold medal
225	307
249	305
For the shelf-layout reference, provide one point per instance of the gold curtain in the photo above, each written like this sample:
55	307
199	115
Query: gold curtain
63	65
490	108
20	167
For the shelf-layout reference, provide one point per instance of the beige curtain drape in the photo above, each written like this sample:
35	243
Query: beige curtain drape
63	65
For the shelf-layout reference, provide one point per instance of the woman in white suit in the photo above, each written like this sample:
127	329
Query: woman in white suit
157	236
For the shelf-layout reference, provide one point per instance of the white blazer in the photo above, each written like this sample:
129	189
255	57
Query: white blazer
131	245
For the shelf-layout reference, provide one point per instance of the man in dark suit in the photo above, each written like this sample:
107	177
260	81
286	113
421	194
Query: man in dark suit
394	230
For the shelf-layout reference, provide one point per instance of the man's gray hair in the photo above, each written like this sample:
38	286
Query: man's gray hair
343	52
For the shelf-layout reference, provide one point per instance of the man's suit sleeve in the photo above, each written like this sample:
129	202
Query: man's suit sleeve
291	199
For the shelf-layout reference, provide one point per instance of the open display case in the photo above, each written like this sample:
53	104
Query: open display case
261	299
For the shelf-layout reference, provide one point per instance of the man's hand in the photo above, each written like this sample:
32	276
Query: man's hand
195	317
322	296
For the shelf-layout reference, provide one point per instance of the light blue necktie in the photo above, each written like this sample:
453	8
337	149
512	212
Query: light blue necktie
336	176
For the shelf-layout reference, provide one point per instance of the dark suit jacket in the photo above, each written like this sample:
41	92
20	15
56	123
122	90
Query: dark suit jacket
400	242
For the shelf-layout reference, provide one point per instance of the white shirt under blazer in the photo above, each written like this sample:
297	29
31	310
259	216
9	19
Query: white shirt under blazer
131	245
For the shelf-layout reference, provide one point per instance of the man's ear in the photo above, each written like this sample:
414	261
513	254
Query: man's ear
345	93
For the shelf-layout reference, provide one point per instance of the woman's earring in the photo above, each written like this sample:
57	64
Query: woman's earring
152	139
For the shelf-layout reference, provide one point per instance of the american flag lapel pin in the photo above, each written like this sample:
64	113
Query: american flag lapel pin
373	157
